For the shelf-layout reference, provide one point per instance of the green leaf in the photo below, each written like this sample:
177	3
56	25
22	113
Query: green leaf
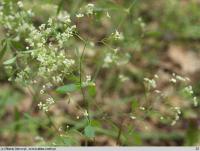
95	123
137	138
192	134
60	5
89	131
92	91
5	47
68	88
10	61
17	119
134	105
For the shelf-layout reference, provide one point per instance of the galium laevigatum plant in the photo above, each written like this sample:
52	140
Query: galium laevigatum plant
44	61
155	97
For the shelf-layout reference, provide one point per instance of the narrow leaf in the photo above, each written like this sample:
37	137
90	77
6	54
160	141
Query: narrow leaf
10	61
89	131
68	88
134	105
5	47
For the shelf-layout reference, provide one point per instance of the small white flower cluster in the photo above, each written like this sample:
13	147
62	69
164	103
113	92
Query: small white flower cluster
49	101
88	81
142	108
141	22
79	15
46	87
114	57
189	90
195	102
175	78
45	54
64	37
177	115
123	78
64	17
39	138
132	117
108	15
23	76
89	9
52	60
20	4
117	35
161	118
110	58
151	83
85	113
45	106
15	21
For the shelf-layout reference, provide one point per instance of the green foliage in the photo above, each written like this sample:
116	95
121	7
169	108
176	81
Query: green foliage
89	131
68	88
10	61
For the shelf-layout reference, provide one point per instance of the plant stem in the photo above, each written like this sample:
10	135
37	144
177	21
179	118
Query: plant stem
119	134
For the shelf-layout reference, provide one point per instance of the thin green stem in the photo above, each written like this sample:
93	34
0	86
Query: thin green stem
128	11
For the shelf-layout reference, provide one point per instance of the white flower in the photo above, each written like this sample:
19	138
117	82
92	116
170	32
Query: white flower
85	113
172	80
195	102
88	81
151	82
142	108
30	13
41	91
39	138
88	78
173	123
132	117
45	108
188	89
123	78
107	14
177	110
156	76
20	4
50	101
180	78
89	9
68	62
40	105
157	91
64	17
161	118
108	59
79	15
118	35
50	21
42	26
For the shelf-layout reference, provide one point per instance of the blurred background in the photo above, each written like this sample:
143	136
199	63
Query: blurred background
159	37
